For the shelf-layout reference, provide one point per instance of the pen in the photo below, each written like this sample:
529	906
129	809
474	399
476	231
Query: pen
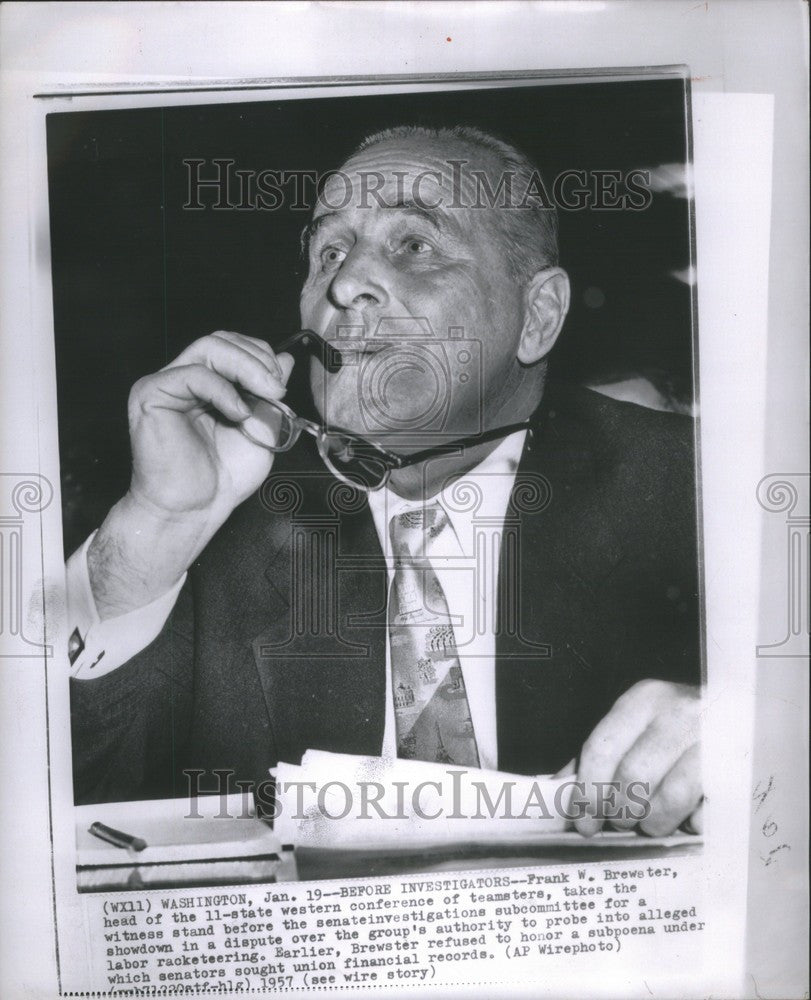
116	837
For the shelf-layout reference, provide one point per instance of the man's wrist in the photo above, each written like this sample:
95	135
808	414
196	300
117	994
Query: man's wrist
96	647
140	553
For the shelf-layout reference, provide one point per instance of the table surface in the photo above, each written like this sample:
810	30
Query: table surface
234	848
313	864
310	865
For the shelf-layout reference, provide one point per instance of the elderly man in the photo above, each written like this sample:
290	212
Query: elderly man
238	605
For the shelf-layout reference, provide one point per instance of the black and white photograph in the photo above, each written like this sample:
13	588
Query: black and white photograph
404	574
397	466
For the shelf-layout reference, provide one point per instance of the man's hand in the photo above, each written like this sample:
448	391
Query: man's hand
192	465
650	735
189	453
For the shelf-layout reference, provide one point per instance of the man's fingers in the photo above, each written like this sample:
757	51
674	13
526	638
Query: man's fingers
667	714
646	763
677	797
695	823
234	362
286	362
189	387
253	345
280	364
601	755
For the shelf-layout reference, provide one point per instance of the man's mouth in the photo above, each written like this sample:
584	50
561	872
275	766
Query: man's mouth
333	354
352	353
357	348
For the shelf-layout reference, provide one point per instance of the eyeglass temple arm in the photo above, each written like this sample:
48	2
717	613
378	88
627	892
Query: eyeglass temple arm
309	340
448	447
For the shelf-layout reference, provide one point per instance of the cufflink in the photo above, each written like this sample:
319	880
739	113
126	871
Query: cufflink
75	646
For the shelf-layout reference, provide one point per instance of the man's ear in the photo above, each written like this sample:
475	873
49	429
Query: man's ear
546	302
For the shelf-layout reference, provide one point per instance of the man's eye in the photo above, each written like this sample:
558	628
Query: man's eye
331	257
415	245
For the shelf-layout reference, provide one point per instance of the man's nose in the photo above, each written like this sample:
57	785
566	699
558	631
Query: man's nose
360	282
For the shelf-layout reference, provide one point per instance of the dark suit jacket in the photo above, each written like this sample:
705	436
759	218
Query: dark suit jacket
277	642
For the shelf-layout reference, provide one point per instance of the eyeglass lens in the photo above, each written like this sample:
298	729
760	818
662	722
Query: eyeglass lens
354	460
269	425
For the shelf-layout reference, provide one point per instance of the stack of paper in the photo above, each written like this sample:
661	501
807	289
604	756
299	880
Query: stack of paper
342	802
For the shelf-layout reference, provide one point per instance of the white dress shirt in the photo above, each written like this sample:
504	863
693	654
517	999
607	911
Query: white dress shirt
466	566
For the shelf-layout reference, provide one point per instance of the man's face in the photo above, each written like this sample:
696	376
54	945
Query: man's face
387	267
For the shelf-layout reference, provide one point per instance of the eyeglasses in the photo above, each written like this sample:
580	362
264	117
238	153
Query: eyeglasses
355	460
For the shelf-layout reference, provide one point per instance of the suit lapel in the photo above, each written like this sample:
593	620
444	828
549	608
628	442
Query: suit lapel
321	658
545	648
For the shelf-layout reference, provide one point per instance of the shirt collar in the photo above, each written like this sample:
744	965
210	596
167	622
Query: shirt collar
483	493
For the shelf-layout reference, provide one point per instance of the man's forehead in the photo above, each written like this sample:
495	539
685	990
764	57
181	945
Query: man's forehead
415	165
419	153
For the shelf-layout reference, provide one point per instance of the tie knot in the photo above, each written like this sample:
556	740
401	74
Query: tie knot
413	531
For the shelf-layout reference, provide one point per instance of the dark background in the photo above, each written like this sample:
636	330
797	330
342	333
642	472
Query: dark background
136	277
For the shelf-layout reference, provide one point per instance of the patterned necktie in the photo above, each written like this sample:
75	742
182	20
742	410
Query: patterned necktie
430	702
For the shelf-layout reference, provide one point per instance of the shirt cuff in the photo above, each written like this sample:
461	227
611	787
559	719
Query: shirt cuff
97	647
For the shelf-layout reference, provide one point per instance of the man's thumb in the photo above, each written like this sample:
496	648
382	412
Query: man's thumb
286	362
